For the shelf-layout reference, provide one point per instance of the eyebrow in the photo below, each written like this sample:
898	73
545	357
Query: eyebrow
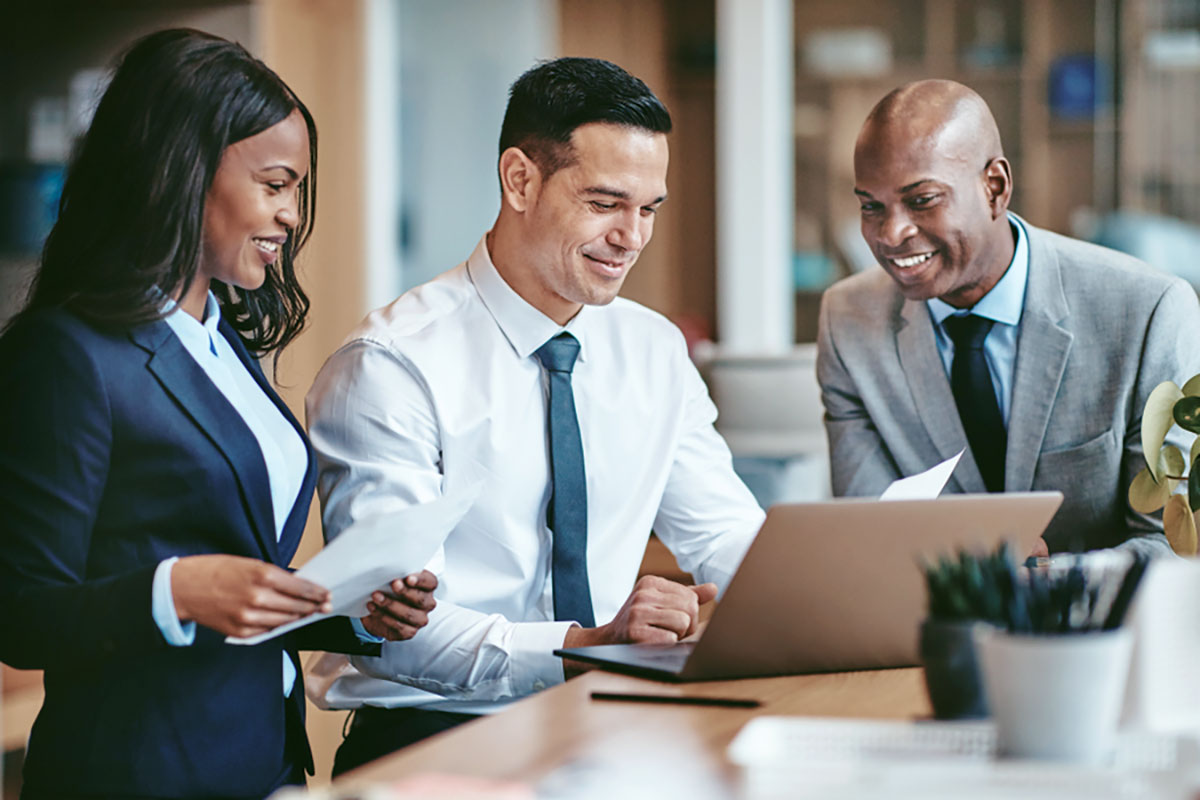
294	175
903	189
915	184
620	194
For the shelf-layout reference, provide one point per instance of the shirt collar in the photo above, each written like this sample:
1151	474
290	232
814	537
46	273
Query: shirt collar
192	332
524	326
1005	301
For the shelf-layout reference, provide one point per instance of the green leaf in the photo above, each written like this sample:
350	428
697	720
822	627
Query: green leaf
1187	414
1192	387
1179	523
1147	495
1171	462
1156	421
1194	489
1195	451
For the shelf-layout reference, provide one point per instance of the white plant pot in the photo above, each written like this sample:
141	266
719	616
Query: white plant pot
1055	696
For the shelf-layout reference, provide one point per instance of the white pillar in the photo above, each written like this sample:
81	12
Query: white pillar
755	207
381	154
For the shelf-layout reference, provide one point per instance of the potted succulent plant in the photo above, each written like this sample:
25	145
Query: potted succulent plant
968	592
1166	467
963	592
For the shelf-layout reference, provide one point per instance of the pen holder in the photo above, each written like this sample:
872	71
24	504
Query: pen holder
1055	696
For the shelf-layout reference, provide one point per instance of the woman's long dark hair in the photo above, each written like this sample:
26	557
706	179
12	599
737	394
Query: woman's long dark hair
131	216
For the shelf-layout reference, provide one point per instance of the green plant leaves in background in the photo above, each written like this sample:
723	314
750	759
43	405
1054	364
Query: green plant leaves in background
1192	387
1187	414
1180	526
1170	462
1146	495
1194	490
1157	419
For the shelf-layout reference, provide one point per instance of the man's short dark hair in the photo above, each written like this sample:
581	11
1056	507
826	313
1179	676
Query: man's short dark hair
547	104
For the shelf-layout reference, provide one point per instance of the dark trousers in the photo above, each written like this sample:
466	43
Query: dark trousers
292	776
375	732
295	779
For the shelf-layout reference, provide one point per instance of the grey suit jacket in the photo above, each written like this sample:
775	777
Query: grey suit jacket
1098	332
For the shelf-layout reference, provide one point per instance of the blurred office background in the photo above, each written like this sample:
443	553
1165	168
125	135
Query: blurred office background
1098	103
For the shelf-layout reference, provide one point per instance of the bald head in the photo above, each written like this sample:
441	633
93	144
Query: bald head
947	115
934	187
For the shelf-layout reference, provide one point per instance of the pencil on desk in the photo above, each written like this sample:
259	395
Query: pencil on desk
674	699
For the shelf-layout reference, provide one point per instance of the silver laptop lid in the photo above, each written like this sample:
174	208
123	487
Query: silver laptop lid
837	585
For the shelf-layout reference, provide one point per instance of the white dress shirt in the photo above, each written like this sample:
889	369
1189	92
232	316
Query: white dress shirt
443	380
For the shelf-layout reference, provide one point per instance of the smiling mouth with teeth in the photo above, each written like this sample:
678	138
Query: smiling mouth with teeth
911	261
270	247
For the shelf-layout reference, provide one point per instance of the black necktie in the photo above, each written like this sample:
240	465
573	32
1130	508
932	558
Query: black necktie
567	514
975	397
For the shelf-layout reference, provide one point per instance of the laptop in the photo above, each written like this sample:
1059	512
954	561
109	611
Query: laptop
834	586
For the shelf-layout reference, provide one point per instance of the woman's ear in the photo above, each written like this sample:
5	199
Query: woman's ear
520	179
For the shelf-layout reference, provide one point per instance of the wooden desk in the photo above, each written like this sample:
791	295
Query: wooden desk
562	738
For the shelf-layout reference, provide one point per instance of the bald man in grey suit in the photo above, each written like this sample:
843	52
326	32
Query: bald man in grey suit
1074	336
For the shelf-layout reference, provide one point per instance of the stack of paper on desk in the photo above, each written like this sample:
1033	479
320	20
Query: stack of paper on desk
791	757
372	553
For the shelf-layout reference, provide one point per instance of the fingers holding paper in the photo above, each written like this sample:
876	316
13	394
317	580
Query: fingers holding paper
398	615
240	596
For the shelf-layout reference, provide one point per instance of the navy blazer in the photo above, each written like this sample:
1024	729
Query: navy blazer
116	452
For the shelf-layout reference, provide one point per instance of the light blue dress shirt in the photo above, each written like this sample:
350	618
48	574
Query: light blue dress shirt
282	448
1003	304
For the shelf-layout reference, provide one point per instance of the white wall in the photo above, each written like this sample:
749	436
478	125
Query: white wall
455	62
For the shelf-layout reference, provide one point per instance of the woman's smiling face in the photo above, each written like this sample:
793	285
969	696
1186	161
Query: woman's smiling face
253	204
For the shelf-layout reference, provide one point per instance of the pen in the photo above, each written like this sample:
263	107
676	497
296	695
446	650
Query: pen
725	702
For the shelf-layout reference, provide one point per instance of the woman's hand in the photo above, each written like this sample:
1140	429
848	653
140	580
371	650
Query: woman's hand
400	614
240	596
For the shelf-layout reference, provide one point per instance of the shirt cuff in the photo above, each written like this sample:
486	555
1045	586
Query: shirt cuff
534	665
162	608
362	634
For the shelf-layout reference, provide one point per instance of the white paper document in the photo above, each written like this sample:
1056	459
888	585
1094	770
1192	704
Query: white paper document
924	485
370	554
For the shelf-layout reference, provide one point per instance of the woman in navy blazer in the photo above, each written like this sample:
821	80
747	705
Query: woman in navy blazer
153	486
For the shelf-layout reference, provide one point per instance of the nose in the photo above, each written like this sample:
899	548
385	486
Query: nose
288	213
632	230
895	227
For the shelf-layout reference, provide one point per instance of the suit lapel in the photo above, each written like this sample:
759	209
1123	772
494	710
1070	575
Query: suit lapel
293	528
930	389
186	382
1042	351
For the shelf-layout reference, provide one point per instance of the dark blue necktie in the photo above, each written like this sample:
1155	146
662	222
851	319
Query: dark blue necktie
975	397
567	514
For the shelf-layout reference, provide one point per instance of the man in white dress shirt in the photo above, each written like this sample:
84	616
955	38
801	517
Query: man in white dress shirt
582	458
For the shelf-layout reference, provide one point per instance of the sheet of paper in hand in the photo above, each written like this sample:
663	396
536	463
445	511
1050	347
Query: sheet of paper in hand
373	552
925	485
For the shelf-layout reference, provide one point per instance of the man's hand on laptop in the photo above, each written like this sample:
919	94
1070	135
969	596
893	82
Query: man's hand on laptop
658	611
1040	549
